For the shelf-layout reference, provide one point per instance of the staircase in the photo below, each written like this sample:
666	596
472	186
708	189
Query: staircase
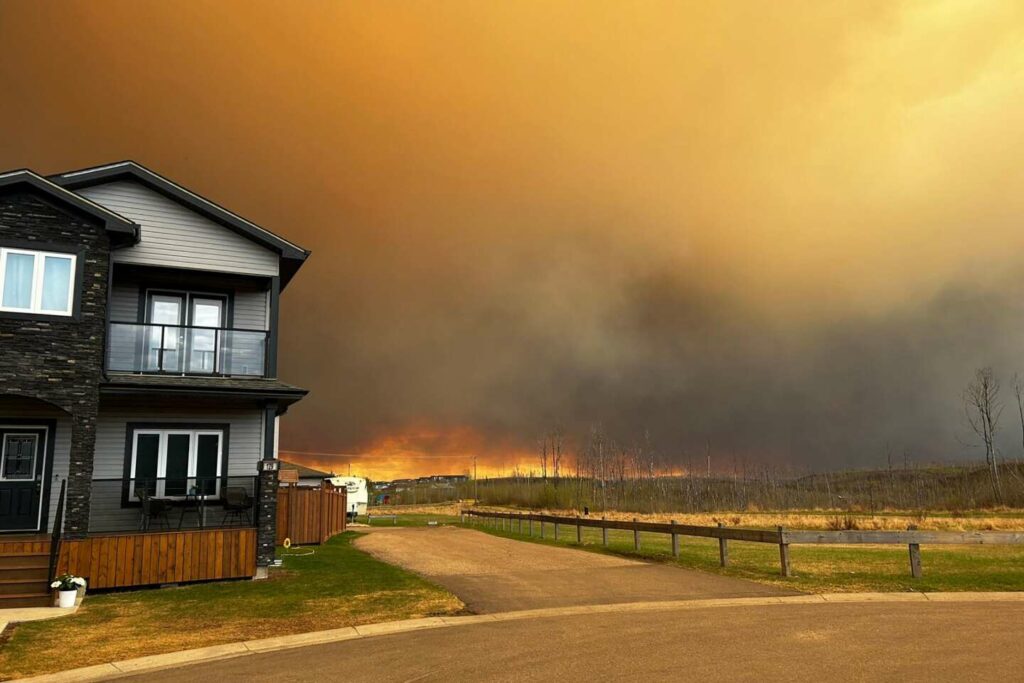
24	571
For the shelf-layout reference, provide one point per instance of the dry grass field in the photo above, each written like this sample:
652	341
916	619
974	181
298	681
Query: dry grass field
1004	519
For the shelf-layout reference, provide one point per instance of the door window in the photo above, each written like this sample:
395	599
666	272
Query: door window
184	333
164	335
19	456
203	342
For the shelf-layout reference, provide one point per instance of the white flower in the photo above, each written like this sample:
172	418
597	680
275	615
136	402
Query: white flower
55	584
78	581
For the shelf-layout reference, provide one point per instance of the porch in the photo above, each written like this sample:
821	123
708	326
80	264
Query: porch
161	504
154	531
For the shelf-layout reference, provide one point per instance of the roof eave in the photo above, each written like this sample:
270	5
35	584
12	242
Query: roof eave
112	222
289	251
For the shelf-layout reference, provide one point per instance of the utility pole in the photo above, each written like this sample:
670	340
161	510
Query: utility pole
476	483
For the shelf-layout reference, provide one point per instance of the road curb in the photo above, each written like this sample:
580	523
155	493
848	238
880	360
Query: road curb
139	665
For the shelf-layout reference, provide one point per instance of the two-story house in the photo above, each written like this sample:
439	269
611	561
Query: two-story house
139	398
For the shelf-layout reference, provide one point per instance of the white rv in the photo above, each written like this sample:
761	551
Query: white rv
358	495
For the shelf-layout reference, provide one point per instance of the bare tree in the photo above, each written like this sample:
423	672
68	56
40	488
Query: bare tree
1018	393
543	448
557	440
983	408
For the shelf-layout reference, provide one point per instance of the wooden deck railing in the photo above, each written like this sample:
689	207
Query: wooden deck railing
780	536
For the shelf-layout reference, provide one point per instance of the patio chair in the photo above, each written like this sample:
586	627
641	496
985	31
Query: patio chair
194	503
152	509
237	504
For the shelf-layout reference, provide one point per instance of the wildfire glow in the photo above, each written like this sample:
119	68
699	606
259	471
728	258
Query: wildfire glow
421	451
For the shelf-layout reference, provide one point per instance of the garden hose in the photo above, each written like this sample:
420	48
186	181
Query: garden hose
288	546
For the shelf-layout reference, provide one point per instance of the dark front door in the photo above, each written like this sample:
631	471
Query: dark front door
21	478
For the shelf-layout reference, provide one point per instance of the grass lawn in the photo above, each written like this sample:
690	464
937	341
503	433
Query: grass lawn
336	586
817	569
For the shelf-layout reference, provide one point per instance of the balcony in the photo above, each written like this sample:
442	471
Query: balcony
186	350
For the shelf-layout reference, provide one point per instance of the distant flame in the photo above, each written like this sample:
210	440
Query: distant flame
421	451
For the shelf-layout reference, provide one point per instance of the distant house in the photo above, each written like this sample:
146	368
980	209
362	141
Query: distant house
139	393
307	476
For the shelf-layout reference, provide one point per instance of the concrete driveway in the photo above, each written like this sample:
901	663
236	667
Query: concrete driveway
494	574
888	641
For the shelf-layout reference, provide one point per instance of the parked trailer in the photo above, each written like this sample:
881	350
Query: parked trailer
358	493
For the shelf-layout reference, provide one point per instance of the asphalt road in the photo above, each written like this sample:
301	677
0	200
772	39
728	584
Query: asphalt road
494	574
849	642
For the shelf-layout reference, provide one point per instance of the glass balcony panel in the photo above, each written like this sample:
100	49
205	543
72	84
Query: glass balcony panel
180	350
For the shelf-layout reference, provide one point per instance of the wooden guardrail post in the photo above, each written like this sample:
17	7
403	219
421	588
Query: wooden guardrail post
604	534
636	536
556	531
784	554
915	556
529	524
542	529
675	541
579	532
723	549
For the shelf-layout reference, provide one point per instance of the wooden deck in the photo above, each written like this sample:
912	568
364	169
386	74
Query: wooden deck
145	559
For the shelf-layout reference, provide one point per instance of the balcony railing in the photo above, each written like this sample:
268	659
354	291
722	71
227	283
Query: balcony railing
171	503
186	350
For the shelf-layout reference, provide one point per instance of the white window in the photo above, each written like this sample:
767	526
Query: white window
37	281
175	463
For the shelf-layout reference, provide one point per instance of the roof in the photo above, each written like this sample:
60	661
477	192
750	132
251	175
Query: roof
292	255
126	231
304	471
209	386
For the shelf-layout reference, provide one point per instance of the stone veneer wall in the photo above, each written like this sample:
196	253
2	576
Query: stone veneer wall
266	519
58	359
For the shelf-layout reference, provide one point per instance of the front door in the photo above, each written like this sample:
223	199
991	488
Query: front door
21	477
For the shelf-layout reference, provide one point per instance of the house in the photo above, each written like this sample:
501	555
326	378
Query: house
305	476
139	392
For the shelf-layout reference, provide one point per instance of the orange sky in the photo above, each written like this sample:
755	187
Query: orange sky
733	222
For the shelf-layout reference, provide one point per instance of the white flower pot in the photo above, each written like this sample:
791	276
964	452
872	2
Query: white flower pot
67	598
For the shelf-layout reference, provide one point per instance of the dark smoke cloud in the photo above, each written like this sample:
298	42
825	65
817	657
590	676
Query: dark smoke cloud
789	234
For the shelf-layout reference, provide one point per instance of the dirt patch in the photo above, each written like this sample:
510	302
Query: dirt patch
493	574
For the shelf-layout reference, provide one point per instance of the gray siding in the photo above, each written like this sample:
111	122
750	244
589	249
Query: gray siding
250	311
245	439
18	408
124	303
177	237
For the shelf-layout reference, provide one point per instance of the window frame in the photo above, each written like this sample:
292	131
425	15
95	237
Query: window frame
38	274
194	431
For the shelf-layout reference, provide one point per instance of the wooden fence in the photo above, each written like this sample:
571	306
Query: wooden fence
781	537
310	515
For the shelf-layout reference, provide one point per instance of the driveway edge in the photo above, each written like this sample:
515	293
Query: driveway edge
138	665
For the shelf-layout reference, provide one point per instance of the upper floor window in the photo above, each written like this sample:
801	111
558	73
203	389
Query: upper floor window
37	282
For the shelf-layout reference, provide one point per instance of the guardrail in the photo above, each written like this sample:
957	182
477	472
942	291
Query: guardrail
780	536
